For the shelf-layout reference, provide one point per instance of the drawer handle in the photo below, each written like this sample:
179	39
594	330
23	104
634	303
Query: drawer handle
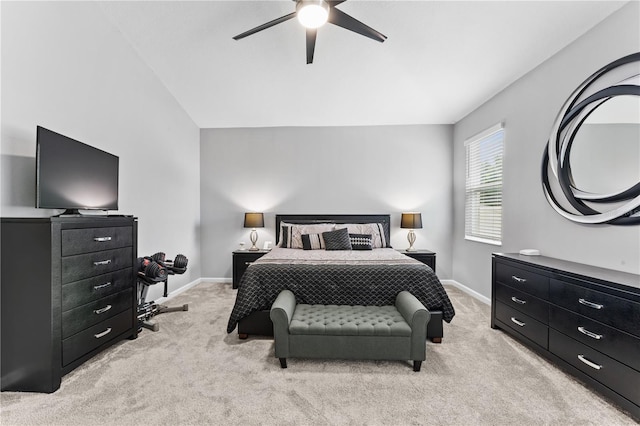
101	239
104	333
590	333
589	363
518	323
102	262
518	279
102	310
515	299
98	287
590	304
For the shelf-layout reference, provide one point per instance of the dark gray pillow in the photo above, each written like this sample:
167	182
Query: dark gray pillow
337	240
361	241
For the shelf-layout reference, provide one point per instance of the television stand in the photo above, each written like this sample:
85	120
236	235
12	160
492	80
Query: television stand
76	213
68	292
70	213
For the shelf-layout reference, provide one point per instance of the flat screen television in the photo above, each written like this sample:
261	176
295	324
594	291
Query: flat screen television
74	176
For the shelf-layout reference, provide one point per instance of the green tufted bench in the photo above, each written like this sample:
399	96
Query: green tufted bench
350	332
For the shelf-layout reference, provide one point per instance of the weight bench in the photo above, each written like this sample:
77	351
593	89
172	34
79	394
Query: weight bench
350	332
153	270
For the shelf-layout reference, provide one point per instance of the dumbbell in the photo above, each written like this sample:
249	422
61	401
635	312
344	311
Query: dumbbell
180	261
151	269
159	257
177	266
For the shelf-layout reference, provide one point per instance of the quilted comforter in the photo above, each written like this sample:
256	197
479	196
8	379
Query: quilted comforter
354	277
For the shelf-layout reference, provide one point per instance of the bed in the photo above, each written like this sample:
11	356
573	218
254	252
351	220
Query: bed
355	277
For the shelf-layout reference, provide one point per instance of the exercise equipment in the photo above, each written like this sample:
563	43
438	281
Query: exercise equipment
153	270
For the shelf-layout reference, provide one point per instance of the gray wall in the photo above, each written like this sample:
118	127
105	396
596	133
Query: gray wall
528	109
380	169
65	67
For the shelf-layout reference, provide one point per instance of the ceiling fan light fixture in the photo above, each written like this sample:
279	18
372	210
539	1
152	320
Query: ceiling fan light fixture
312	13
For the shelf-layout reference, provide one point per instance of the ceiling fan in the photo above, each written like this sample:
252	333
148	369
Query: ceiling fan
312	14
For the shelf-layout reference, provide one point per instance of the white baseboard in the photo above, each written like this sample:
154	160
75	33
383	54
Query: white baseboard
467	290
216	280
179	290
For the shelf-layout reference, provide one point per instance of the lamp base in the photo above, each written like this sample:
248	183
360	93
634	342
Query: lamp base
254	238
411	249
411	236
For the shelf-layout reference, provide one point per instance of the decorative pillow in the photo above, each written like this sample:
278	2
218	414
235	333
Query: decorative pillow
282	241
376	230
337	240
361	241
285	241
312	242
293	237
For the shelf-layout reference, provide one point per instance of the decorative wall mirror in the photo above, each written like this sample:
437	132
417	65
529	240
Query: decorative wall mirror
593	152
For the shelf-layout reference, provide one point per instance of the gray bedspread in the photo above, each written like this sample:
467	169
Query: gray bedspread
357	279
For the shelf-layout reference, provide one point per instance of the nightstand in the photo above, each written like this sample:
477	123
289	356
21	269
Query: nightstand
425	256
241	261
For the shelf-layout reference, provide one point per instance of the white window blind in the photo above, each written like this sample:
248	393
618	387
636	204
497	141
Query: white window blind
483	201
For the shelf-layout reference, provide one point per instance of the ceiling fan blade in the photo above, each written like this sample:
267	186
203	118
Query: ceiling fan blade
341	19
334	3
265	26
311	44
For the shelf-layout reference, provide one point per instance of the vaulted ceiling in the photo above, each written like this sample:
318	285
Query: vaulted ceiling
442	59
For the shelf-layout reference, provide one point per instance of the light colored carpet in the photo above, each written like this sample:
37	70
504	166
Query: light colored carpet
192	372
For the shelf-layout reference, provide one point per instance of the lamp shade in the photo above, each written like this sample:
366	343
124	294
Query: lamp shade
411	221
253	220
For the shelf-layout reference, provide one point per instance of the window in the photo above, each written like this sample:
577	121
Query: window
483	200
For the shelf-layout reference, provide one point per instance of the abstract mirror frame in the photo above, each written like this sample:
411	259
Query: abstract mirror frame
622	207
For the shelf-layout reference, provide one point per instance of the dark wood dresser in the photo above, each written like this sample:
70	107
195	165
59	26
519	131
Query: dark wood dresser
585	319
68	292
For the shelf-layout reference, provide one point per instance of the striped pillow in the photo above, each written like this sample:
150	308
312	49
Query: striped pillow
312	242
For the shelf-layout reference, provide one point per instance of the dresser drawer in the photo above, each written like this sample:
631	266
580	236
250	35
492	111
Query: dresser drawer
611	373
523	302
82	343
75	268
81	292
610	341
523	324
79	241
612	310
529	282
84	316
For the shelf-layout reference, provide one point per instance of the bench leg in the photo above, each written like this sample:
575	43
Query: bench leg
436	339
242	336
283	362
417	365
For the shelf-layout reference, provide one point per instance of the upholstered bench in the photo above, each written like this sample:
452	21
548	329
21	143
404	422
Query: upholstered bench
350	332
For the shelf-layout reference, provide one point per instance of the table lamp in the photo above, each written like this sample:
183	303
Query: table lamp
411	221
253	220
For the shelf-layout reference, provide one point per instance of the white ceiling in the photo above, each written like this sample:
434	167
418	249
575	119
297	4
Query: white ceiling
442	59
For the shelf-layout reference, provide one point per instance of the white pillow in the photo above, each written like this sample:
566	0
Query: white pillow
294	237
